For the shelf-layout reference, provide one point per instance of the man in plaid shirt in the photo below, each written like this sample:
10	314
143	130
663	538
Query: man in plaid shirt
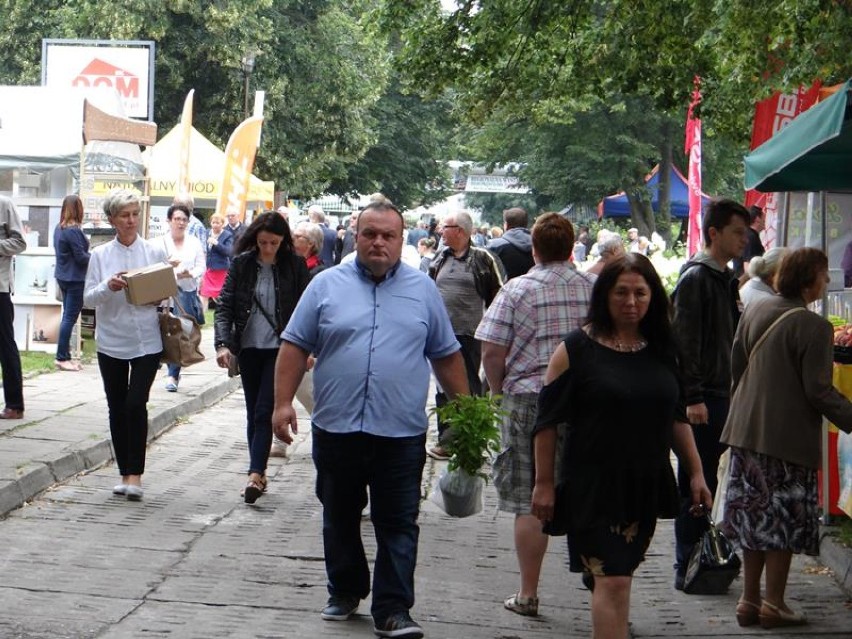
519	332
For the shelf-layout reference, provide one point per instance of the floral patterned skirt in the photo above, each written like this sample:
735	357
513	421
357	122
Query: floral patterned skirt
771	504
610	550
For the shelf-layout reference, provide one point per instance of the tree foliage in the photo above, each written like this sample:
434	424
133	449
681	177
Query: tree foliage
330	118
587	93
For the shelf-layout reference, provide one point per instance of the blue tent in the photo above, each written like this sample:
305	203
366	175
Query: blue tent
618	206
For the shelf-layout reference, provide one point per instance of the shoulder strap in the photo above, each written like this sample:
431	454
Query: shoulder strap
762	339
777	321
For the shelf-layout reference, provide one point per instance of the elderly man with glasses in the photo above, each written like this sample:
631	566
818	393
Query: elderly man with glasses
468	278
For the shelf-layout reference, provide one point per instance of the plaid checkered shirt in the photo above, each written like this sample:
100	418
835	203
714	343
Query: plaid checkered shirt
531	315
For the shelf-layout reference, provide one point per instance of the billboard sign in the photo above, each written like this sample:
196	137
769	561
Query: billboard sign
127	66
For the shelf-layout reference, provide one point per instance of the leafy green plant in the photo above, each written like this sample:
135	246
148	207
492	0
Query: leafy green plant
473	431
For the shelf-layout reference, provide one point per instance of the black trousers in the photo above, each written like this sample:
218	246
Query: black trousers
471	351
127	384
10	358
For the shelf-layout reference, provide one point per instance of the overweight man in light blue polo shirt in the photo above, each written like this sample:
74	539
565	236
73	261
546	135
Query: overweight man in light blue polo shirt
374	325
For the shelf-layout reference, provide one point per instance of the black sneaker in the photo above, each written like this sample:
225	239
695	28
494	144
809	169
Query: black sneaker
399	624
680	577
340	608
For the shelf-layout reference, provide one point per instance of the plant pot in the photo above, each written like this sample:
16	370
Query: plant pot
461	493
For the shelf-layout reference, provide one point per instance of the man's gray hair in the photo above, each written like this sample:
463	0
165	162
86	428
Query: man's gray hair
464	220
312	233
117	199
316	214
609	244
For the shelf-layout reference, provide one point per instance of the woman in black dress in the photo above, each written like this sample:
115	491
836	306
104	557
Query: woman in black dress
615	383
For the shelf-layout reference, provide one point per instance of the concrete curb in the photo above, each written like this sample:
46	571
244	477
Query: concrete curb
837	557
38	476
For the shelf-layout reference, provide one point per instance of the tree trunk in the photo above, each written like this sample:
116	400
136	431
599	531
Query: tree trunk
665	209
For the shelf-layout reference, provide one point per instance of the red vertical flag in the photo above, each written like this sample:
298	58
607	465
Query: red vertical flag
693	150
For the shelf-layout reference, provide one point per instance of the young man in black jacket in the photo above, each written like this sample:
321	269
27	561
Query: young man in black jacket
707	309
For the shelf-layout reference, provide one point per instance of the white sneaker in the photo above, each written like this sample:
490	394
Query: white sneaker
120	489
279	449
134	493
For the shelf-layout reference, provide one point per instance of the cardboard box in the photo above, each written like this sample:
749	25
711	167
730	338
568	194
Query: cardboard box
150	284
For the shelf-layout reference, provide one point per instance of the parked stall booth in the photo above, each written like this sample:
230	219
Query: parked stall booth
810	162
41	157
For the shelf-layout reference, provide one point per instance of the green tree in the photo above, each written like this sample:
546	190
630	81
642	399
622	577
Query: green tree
405	162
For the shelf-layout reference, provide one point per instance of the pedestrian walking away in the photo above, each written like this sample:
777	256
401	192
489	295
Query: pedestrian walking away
518	332
72	260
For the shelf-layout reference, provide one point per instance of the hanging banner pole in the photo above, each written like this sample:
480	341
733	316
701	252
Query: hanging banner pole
693	150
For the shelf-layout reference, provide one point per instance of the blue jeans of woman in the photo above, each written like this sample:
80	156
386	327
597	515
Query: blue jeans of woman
192	307
257	369
127	384
391	467
72	304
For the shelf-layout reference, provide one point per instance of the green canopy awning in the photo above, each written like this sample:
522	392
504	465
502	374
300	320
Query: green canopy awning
812	153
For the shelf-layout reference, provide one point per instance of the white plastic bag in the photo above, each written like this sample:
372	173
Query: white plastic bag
457	493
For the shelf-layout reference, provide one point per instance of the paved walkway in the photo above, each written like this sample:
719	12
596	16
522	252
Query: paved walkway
192	560
65	429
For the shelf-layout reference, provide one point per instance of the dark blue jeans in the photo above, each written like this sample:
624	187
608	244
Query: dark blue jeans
688	528
347	465
257	369
192	306
72	304
10	358
127	384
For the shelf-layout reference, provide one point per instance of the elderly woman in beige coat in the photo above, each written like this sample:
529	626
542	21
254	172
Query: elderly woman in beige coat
782	386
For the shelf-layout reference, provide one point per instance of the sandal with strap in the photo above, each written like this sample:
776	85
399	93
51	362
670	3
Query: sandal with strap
771	616
527	607
254	489
748	613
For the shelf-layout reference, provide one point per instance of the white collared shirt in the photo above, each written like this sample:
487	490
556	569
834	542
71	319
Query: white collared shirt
123	330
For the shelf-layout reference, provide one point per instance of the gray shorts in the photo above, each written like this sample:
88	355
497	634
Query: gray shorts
513	469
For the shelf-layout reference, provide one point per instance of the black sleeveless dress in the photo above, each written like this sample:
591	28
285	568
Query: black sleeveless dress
620	408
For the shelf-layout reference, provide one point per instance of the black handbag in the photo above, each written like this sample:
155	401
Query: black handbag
713	564
559	525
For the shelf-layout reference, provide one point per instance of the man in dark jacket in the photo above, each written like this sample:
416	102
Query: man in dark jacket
707	310
468	279
514	248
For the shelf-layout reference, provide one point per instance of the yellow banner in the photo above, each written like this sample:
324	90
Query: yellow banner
185	133
239	162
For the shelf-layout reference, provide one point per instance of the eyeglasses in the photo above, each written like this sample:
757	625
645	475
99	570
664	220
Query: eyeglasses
451	226
180	220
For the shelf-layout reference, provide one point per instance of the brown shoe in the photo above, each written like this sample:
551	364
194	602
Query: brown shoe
11	413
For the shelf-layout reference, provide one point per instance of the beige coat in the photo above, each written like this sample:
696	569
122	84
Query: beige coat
778	403
11	241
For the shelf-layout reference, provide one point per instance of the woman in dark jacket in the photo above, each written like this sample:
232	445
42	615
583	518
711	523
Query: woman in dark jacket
72	260
263	285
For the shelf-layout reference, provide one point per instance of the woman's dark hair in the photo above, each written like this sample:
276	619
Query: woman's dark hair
177	207
271	222
656	325
799	269
72	211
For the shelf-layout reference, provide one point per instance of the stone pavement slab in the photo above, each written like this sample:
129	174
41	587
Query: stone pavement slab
65	430
192	561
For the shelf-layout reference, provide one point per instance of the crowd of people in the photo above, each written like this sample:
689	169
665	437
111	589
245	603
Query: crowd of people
601	374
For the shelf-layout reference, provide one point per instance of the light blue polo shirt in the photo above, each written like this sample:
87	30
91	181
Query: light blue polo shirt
372	344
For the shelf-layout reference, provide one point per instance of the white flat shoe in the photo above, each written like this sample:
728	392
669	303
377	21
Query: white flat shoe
134	493
120	489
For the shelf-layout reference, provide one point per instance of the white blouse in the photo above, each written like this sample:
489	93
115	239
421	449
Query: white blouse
123	330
